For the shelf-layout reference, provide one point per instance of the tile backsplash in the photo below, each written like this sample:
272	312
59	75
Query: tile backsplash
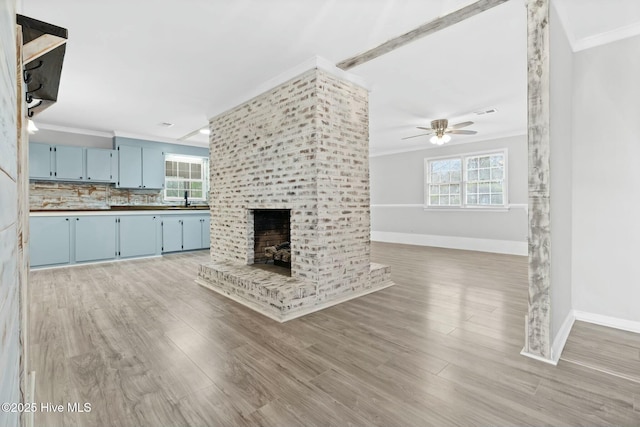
45	195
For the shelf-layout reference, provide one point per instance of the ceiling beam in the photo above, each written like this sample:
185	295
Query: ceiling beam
39	46
422	31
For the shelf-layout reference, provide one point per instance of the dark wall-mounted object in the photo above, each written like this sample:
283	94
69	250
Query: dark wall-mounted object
44	46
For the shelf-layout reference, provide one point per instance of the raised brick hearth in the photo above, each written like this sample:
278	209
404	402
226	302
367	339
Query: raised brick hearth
301	147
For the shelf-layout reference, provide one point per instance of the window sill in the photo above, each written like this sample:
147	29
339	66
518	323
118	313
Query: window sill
470	209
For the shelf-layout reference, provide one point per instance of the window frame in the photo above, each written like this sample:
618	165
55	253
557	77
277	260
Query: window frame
463	206
183	158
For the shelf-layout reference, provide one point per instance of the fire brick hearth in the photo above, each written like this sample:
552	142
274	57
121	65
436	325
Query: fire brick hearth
294	160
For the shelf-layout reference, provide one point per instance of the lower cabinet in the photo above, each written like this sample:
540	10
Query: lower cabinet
137	236
185	233
49	242
56	240
95	238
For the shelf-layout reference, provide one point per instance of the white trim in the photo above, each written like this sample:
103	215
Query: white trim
562	336
611	322
539	358
298	313
315	62
79	131
508	247
607	37
173	141
523	206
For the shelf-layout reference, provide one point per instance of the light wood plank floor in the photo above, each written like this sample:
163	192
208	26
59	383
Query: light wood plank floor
146	346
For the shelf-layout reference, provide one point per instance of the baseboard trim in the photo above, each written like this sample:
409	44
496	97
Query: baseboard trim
539	358
507	247
611	322
296	314
562	337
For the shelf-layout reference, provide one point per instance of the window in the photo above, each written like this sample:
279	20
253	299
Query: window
184	173
467	181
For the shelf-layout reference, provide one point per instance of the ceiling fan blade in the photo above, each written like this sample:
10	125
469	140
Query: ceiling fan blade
423	128
462	132
415	136
461	125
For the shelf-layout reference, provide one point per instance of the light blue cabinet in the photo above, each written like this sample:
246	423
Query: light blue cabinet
185	233
49	241
40	161
206	232
152	168
191	233
56	162
68	162
138	236
101	165
129	167
95	238
171	234
140	167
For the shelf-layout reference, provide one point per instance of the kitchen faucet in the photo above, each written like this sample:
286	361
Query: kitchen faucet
186	199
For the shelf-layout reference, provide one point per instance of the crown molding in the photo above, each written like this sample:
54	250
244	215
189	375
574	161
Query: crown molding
607	37
79	131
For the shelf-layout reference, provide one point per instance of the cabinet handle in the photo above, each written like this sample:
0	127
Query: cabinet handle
66	219
88	177
144	186
77	219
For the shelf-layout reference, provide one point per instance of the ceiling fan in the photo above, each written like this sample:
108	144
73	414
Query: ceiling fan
440	129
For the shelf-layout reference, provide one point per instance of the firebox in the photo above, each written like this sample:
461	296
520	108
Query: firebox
272	236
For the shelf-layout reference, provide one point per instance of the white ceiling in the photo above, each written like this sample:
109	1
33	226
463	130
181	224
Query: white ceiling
131	65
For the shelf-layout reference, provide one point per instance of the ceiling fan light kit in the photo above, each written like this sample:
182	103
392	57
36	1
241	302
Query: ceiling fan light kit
441	128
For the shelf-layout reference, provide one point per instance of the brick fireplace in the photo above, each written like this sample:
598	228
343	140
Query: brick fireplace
271	228
300	148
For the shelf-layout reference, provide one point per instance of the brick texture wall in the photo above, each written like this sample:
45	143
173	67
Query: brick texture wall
301	146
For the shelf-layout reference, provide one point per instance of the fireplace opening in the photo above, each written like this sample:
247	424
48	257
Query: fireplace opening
272	238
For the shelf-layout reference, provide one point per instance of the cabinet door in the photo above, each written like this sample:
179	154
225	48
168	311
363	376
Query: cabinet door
95	238
206	232
129	167
99	165
49	241
152	168
171	234
192	233
40	161
68	162
137	235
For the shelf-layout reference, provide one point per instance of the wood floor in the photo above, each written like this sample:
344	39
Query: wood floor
146	346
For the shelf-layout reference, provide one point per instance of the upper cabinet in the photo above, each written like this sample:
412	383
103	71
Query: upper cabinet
140	167
101	165
70	163
60	162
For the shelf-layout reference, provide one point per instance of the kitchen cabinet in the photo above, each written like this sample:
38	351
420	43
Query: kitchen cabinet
95	238
171	234
49	241
68	162
206	232
140	167
138	236
55	162
40	160
185	233
101	165
191	233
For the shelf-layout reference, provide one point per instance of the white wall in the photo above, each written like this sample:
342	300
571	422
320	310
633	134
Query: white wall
561	69
10	349
606	180
398	179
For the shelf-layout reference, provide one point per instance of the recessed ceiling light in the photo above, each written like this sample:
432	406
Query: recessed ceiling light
166	124
205	131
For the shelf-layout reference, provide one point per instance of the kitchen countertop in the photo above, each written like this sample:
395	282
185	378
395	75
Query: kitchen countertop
125	210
